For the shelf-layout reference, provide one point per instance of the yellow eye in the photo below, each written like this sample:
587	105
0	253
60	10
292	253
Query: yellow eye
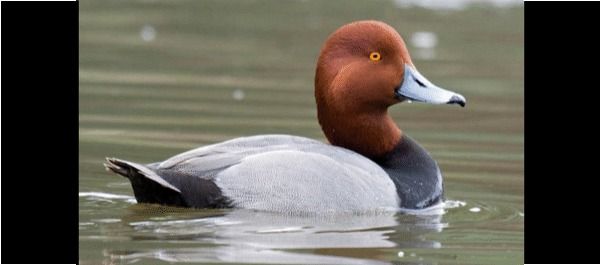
375	56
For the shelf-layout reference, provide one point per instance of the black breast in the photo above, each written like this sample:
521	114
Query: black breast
416	175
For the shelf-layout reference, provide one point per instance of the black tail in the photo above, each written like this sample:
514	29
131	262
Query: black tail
148	187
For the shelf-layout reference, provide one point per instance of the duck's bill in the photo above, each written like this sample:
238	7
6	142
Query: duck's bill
416	87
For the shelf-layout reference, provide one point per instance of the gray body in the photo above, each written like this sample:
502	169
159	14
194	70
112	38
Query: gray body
278	173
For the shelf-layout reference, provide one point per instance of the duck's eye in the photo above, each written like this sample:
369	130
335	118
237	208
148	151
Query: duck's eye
375	56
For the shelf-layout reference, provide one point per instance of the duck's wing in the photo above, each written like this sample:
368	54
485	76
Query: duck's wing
187	179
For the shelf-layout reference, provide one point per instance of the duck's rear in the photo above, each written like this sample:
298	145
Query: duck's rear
150	187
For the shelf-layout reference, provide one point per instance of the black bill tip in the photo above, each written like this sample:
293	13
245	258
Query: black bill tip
457	100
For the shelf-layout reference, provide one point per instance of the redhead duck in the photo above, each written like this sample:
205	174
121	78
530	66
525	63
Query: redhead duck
364	68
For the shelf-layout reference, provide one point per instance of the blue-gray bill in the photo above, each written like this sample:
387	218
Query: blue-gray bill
416	87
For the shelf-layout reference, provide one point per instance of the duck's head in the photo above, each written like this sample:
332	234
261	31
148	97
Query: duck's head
364	68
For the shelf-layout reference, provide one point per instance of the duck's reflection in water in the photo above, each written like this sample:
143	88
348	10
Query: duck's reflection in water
258	237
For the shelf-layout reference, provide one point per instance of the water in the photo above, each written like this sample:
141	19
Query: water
158	78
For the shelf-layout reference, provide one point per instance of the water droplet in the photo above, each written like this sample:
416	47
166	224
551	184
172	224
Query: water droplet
475	209
400	254
148	33
238	94
408	101
424	39
425	42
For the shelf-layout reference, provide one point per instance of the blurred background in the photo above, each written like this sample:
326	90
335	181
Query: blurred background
160	77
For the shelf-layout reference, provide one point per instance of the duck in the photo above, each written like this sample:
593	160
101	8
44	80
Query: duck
368	164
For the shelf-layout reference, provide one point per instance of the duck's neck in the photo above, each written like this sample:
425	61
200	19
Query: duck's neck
416	175
372	134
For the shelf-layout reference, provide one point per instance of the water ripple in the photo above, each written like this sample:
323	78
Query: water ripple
109	197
